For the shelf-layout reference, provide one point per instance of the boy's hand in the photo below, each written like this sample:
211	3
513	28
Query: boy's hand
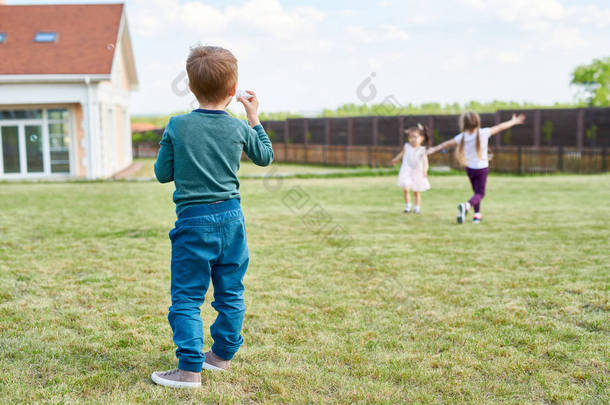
251	107
394	161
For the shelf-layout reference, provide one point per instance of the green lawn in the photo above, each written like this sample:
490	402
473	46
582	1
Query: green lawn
389	308
249	169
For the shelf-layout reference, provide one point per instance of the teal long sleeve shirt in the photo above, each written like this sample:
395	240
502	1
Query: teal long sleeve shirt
201	151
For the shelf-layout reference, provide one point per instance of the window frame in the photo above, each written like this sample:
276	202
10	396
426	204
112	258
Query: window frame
68	122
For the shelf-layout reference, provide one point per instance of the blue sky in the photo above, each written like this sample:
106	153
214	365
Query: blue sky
304	56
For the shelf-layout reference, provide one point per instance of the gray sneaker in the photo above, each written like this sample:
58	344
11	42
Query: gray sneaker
177	378
215	363
462	210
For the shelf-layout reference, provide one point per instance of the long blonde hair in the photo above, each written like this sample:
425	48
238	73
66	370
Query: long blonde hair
469	121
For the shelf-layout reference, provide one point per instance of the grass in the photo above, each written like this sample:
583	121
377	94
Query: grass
248	169
389	308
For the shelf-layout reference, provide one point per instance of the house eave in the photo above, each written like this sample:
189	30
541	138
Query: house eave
124	42
53	78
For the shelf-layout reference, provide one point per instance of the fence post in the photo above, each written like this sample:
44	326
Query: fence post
350	131
375	140
401	130
498	120
604	157
560	159
286	136
430	130
305	141
326	139
520	158
375	131
537	126
580	128
350	134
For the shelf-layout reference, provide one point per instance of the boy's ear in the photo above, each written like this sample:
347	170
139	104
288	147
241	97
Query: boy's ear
233	90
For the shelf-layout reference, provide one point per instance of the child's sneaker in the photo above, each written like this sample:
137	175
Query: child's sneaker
215	363
177	378
462	211
416	209
477	218
407	208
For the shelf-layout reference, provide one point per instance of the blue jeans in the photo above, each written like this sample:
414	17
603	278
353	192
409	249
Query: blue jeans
208	242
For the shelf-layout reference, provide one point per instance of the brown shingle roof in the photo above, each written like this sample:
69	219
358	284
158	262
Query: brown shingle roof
142	126
87	37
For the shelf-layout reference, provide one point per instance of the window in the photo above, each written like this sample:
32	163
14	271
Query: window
45	37
20	114
9	135
2	37
58	114
28	146
59	140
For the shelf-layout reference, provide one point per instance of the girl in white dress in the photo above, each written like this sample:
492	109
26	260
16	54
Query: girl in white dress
413	173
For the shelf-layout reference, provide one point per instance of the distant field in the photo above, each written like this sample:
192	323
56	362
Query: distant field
248	168
348	299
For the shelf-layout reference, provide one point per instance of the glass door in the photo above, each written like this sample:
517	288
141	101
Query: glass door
23	155
35	142
10	148
33	147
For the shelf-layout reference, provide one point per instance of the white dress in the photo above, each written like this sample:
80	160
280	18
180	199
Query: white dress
411	173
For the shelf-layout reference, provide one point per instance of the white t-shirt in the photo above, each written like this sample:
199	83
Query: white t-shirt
470	148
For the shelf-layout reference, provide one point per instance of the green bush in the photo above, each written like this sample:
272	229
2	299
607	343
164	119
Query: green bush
148	137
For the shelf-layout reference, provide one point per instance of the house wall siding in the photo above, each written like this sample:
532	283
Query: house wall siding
124	155
79	150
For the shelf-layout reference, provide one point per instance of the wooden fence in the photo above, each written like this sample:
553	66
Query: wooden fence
507	159
551	140
580	128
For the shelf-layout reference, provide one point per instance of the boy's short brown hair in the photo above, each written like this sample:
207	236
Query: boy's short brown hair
212	71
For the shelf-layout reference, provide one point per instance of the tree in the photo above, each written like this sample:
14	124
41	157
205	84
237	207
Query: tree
594	81
547	130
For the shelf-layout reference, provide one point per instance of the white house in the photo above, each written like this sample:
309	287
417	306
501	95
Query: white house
66	73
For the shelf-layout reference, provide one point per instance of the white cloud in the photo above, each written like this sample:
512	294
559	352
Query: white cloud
540	15
591	14
201	19
385	3
454	63
526	13
393	33
558	26
567	38
500	56
268	16
387	33
530	15
307	58
459	61
510	57
259	17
